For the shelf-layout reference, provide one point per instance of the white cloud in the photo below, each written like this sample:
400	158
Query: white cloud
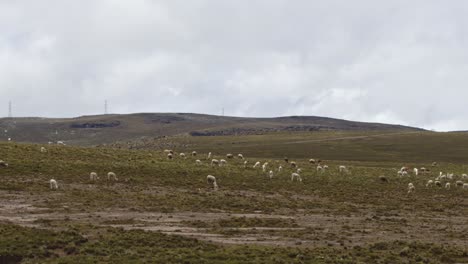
396	61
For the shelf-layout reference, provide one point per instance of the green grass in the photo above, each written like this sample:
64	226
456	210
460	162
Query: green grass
149	183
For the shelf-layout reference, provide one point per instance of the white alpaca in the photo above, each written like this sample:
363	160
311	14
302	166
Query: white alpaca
245	164
411	188
438	183
93	176
194	153
209	156
299	170
53	184
293	164
343	169
447	186
464	176
458	184
465	186
312	161
210	179
271	174
112	176
264	166
198	162
256	164
320	169
240	156
169	156
214	162
229	156
429	183
222	163
182	155
280	169
296	176
60	143
43	150
416	172
450	176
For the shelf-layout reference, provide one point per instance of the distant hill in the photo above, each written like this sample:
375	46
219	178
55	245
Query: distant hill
105	129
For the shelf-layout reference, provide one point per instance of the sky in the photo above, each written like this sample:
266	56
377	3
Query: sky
400	62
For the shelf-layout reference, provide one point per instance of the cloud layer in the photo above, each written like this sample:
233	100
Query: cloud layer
394	61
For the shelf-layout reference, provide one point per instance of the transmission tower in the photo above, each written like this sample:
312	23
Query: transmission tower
10	112
105	107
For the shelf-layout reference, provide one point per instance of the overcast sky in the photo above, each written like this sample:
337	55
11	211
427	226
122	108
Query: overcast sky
400	62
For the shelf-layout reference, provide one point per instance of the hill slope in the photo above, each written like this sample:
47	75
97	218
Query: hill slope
91	130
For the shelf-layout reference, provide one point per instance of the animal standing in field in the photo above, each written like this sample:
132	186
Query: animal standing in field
182	155
169	156
209	156
343	169
280	168
271	174
222	163
112	176
458	184
312	161
3	164
211	180
438	183
429	183
415	171
214	162
293	164
465	176
296	176
229	156
245	164
256	164
194	153
447	186
93	176
320	169
465	186
43	150
264	166
411	188
198	162
53	184
240	156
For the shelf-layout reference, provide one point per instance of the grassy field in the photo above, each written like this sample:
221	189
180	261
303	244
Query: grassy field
163	211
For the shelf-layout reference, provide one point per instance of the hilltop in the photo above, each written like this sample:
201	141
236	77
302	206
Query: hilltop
106	129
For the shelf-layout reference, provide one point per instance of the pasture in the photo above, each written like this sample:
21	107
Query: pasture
163	211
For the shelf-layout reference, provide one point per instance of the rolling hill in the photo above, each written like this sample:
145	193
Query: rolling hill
106	129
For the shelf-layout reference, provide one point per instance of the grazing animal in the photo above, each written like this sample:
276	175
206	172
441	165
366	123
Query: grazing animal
245	164
214	162
43	150
299	170
53	184
3	164
93	176
198	162
293	164
416	171
264	166
270	174
447	186
169	156
286	159
194	153
229	156
411	188
240	156
112	176
210	179
459	184
465	186
325	167
383	178
320	169
256	164
222	163
434	164
182	155
312	161
438	183
402	173
280	168
343	169
296	176
429	183
464	176
168	151
60	143
209	156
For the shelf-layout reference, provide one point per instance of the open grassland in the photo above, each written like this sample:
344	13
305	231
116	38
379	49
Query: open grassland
163	210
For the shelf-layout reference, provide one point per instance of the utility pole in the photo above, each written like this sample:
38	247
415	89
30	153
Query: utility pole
10	112
105	107
222	111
